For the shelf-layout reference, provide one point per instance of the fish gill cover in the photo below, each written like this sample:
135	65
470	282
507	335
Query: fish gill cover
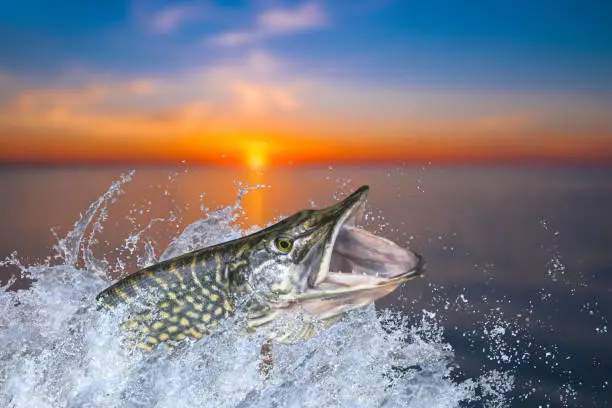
59	351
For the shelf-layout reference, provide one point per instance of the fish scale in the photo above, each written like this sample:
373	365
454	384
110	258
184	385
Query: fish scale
181	298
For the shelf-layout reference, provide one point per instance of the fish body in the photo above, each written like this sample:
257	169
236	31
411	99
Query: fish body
182	297
288	281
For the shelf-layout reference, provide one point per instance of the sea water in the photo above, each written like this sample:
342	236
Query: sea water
59	350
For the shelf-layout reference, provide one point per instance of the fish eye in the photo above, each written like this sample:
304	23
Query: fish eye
283	244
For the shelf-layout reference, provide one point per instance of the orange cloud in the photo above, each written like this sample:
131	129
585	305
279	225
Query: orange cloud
218	113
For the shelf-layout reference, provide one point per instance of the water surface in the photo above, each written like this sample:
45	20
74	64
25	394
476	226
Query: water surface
513	309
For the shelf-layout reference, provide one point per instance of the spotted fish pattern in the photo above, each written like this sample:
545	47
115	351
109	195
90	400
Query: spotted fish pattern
181	298
272	276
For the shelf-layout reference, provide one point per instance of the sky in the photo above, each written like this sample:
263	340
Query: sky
282	82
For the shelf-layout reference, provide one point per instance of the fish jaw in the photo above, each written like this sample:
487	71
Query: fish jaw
342	213
342	292
361	252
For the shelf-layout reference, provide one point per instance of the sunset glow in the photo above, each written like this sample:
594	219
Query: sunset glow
299	89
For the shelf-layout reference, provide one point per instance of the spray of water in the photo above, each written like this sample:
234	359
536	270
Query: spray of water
58	350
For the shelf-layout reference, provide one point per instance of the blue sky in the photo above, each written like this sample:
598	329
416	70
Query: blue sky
507	44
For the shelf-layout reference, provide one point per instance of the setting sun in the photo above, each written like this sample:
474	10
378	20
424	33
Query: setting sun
256	155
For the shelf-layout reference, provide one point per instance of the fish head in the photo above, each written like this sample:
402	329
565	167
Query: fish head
319	262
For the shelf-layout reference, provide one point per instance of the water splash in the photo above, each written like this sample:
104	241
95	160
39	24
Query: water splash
58	350
69	247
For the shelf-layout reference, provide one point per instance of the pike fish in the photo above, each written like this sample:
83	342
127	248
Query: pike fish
288	281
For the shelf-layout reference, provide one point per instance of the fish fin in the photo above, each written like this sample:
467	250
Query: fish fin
266	360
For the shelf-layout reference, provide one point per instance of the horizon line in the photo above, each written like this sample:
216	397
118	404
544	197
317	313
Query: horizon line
288	163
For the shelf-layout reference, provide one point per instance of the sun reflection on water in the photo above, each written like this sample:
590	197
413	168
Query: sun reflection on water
256	157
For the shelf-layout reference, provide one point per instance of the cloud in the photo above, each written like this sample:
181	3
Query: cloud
80	99
255	87
262	97
259	98
275	22
42	101
286	21
196	114
142	86
174	16
236	38
202	99
263	63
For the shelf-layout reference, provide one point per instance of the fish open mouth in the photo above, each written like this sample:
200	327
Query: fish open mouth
356	267
360	256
